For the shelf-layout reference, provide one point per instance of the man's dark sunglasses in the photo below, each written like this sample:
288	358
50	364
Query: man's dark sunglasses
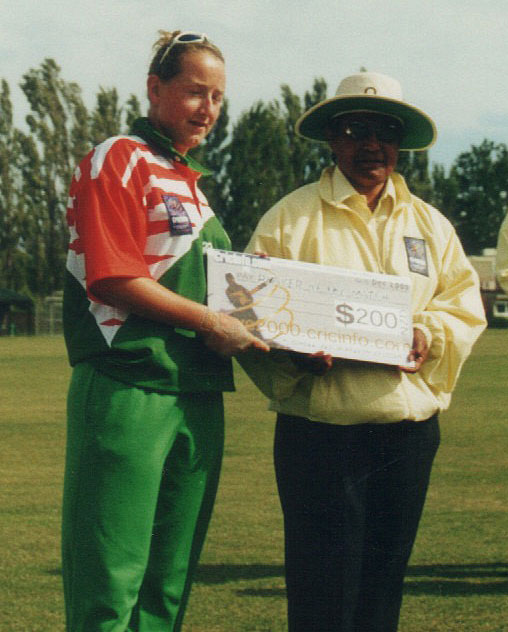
385	131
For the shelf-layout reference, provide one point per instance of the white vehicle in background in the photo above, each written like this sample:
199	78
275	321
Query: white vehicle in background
494	299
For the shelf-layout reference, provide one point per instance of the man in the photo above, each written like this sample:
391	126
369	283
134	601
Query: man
502	256
355	441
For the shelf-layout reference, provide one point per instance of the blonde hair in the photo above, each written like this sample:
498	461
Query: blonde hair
171	64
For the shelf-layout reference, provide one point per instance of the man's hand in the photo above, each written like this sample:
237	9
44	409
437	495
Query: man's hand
418	353
227	336
318	363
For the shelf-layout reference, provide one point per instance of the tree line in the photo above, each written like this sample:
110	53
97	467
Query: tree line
256	160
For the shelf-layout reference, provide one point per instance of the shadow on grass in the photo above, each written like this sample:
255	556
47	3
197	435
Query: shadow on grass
261	592
222	573
433	579
446	580
450	580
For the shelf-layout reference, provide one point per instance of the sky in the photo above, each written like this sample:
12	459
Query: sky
449	55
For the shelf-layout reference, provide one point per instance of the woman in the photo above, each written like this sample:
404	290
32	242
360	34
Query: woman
145	411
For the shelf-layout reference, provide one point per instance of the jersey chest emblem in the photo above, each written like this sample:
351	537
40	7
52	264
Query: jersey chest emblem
179	220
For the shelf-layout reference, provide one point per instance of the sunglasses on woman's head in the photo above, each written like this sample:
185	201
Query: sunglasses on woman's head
186	37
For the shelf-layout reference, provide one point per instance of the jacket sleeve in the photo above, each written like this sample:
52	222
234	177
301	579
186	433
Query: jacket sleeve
275	374
502	256
268	236
454	318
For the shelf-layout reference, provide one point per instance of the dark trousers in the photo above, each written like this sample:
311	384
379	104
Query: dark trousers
352	498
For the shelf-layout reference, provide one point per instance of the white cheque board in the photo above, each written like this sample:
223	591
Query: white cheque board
307	307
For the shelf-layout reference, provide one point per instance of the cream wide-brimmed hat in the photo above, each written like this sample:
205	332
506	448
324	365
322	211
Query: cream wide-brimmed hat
369	92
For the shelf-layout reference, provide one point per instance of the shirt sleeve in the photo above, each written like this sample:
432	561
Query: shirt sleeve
454	318
110	220
502	256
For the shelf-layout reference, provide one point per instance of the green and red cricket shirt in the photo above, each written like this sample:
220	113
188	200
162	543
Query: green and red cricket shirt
135	210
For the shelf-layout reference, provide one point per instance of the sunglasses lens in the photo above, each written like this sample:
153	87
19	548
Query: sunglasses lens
384	132
182	38
388	133
357	130
189	37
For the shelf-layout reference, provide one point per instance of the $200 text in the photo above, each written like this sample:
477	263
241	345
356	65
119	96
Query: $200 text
367	317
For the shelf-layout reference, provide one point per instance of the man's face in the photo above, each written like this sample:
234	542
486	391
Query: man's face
366	147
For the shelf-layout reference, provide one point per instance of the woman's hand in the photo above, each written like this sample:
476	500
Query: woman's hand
227	336
148	298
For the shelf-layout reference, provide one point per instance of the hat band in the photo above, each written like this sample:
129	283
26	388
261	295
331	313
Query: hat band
397	118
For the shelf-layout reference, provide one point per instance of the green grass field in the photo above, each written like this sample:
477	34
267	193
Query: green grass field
458	576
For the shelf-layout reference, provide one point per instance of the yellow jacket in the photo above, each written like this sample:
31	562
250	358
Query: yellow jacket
328	222
502	256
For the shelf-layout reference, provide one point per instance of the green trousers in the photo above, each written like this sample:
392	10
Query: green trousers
142	470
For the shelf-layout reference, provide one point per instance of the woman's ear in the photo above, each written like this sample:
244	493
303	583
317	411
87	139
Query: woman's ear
153	88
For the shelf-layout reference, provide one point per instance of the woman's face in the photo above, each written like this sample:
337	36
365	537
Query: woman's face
186	107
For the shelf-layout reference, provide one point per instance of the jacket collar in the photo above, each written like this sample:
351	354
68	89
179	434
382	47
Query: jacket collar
335	188
143	128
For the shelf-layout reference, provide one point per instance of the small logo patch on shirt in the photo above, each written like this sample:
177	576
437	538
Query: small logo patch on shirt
416	255
179	220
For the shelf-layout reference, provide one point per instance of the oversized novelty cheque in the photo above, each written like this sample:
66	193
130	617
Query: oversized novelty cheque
307	307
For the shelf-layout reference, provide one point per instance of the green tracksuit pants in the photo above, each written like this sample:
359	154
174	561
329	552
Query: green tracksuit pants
141	476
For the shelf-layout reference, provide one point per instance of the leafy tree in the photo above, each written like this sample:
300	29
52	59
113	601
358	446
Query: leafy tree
106	118
308	158
265	159
12	273
58	124
34	225
445	190
255	164
109	118
79	123
54	107
36	169
212	153
258	169
480	177
132	111
414	166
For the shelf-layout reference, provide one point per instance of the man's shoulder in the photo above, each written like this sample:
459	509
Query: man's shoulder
292	206
423	207
299	198
424	210
433	224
